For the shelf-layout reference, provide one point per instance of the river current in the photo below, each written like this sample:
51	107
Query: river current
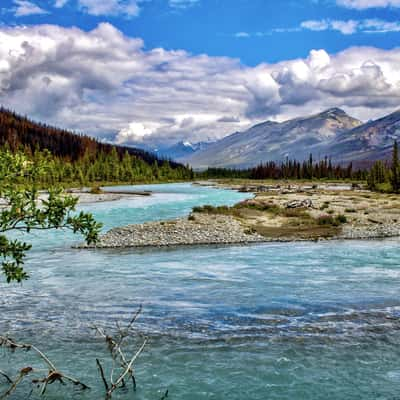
266	321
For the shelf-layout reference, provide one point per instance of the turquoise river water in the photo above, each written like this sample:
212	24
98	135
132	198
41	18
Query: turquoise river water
267	321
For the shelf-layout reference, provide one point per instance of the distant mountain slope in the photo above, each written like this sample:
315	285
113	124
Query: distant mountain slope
180	150
18	131
274	141
368	142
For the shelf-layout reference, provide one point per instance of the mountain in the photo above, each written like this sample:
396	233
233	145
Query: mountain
368	142
273	141
17	131
180	150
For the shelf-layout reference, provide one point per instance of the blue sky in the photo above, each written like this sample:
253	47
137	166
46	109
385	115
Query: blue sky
160	71
220	27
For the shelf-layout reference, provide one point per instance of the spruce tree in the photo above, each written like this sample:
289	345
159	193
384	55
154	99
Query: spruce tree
395	168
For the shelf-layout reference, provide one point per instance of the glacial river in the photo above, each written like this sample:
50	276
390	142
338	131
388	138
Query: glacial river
269	321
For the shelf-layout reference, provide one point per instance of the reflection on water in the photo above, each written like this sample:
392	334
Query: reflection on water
279	321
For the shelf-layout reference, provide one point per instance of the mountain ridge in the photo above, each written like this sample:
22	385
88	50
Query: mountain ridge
274	141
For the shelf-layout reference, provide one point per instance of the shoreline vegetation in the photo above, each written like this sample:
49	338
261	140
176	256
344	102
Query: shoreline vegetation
279	212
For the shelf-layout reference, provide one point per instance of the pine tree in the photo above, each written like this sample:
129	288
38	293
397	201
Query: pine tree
395	168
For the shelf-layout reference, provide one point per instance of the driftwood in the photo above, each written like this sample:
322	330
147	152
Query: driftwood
51	373
307	203
122	364
119	358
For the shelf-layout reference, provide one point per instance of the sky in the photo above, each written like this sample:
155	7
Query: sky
155	72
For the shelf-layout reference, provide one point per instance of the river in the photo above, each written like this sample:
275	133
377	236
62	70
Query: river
267	321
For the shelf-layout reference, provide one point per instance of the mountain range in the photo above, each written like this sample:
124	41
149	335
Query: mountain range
179	150
331	133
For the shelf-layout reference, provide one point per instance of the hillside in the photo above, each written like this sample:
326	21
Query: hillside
368	142
82	159
20	131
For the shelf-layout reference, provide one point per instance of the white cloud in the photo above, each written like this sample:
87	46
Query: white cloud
350	27
104	83
183	3
128	8
25	8
60	3
134	132
315	25
364	4
242	35
379	26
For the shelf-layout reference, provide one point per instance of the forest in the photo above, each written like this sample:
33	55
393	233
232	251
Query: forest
80	159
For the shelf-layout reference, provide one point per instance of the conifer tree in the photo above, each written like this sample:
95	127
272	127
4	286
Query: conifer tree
395	179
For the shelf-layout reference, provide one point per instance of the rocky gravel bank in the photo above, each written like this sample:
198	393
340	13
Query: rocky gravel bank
198	229
377	231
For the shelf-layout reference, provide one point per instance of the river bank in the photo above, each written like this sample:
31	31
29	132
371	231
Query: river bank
277	213
197	229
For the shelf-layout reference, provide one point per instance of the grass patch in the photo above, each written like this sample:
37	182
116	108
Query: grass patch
330	220
325	205
96	190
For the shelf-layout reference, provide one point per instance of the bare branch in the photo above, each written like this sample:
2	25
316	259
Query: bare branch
102	374
6	376
128	368
52	374
16	382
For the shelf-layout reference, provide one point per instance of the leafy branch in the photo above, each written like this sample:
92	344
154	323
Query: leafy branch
26	209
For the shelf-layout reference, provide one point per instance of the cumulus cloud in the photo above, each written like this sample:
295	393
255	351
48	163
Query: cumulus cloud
134	132
106	84
364	4
25	8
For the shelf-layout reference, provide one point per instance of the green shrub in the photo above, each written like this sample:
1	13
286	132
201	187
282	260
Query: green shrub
325	220
324	206
341	218
350	210
329	220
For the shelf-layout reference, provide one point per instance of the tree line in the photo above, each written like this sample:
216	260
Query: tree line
290	169
385	176
101	168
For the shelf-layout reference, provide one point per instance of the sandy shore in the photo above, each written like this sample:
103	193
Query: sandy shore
84	196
